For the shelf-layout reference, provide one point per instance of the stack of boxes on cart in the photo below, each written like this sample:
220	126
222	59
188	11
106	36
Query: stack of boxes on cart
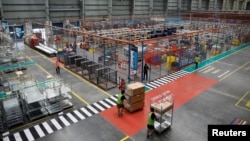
135	94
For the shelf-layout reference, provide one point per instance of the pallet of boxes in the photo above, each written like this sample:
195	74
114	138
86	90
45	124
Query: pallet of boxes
135	94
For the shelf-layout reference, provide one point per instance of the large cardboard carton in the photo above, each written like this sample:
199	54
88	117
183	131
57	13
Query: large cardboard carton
135	88
135	106
162	107
135	98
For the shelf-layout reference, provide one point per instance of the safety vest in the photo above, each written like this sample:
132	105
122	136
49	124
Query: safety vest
197	59
119	99
150	120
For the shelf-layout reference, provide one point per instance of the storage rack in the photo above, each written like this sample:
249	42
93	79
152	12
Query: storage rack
43	98
12	112
11	87
33	98
106	78
11	59
84	66
93	73
78	62
163	105
57	95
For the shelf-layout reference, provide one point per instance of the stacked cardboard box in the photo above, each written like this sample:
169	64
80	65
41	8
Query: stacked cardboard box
135	94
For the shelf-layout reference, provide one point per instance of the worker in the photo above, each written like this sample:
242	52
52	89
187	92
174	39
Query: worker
197	60
122	85
57	66
120	102
145	72
150	123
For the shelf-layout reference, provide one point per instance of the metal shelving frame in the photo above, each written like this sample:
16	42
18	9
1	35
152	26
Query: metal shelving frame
57	95
12	112
163	105
33	98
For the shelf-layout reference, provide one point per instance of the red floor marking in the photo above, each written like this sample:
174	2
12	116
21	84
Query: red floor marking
184	89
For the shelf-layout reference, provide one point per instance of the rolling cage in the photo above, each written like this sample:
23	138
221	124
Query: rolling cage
106	78
96	73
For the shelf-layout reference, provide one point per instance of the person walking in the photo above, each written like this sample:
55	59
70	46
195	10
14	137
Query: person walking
120	102
145	72
122	85
197	60
57	65
150	123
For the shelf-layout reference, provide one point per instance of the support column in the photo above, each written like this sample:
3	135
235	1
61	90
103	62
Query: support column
151	6
132	9
179	6
209	5
165	7
82	9
110	9
227	6
224	6
245	5
199	5
47	10
234	5
1	10
215	4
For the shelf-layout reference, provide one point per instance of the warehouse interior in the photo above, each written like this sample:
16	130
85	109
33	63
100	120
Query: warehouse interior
100	42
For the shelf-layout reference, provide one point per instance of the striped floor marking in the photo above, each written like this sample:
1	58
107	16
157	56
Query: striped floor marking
213	70
164	80
64	120
150	86
155	84
203	69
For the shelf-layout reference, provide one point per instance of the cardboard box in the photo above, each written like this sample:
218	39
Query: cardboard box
162	107
135	106
135	99
135	88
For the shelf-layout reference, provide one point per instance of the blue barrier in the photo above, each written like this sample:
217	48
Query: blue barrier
16	66
217	57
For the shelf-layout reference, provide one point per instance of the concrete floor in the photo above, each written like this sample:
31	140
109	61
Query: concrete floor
219	103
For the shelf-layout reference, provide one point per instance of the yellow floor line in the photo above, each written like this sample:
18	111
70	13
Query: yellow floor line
125	138
108	94
43	69
80	98
233	71
243	108
242	97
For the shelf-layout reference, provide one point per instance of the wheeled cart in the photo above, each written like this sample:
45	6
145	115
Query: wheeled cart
163	105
